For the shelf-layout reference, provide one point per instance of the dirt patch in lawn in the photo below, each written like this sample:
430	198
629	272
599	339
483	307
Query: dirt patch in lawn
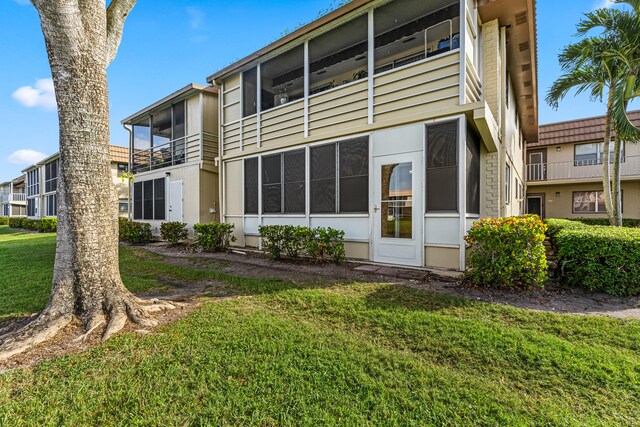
553	298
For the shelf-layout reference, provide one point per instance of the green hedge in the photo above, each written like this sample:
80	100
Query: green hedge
136	233
599	258
213	237
626	222
4	220
321	244
507	252
45	225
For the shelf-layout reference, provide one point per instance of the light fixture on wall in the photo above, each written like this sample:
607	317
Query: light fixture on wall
557	194
167	173
558	148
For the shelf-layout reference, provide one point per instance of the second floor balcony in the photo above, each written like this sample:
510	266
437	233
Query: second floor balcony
578	170
20	198
161	156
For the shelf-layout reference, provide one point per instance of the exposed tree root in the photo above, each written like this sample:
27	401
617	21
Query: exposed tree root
38	330
23	334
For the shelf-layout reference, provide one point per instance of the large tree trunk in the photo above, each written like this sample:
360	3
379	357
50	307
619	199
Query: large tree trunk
606	174
86	280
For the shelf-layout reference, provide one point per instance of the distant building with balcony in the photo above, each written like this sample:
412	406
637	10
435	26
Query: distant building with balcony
42	184
564	170
13	199
400	122
174	145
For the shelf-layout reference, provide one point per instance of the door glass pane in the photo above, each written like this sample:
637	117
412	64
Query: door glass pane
397	201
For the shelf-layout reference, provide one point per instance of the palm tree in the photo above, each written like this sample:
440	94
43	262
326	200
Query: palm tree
608	62
623	27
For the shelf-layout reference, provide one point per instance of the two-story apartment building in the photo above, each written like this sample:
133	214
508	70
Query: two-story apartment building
400	122
13	200
174	146
42	183
564	170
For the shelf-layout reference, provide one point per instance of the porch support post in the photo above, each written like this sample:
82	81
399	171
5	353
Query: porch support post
306	88
258	105
372	64
462	186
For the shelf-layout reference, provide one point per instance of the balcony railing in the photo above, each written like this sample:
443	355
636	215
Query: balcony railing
578	170
161	156
13	198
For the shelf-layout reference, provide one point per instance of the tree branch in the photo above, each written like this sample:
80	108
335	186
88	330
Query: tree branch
117	13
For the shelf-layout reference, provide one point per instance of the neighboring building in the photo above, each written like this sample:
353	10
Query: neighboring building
13	200
174	145
564	171
42	184
400	122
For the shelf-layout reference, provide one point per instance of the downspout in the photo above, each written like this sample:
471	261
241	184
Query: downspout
129	201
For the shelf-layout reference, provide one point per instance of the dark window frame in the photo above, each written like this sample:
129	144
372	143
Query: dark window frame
282	182
339	177
455	168
155	201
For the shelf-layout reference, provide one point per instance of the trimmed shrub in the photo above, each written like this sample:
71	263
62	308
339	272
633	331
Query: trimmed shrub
174	232
213	237
15	222
601	258
4	220
321	244
287	240
136	233
626	222
326	244
48	225
507	252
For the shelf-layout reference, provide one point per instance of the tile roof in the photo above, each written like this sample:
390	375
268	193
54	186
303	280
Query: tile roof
589	129
119	154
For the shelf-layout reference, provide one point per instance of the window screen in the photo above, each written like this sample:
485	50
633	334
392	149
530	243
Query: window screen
251	186
294	181
137	200
473	172
354	176
323	179
159	199
147	199
271	184
442	167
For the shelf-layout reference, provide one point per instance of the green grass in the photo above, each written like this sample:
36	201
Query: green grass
344	354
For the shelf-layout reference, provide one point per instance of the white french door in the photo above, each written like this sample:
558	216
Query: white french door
397	211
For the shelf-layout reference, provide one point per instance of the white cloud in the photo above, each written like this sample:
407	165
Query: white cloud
25	157
196	18
603	4
41	94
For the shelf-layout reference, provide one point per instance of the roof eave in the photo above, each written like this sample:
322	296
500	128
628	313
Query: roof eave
188	90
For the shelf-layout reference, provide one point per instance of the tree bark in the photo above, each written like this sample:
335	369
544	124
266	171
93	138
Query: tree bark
86	280
606	175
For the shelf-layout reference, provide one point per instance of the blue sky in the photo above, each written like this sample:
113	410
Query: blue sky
168	44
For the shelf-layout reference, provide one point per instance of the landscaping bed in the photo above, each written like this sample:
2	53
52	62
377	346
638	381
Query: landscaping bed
272	343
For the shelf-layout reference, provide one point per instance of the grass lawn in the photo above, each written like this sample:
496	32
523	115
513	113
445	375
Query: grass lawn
347	354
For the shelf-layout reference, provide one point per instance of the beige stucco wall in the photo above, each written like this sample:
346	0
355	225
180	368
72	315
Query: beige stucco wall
357	250
442	258
561	205
122	187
